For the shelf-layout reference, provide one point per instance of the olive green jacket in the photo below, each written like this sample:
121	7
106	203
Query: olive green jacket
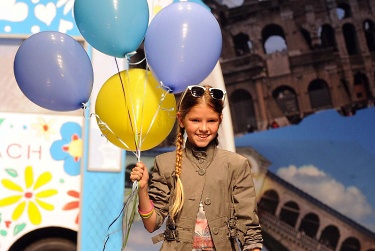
220	179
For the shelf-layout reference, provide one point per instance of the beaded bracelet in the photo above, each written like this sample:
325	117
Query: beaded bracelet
146	215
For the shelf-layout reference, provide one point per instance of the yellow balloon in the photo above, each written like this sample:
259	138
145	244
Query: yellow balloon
134	111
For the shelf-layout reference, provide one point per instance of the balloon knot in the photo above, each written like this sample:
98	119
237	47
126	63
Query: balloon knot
129	55
85	105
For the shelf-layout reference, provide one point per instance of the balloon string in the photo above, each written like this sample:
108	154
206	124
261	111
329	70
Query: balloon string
134	125
102	125
126	106
129	55
142	111
129	213
84	107
166	87
163	96
136	63
128	210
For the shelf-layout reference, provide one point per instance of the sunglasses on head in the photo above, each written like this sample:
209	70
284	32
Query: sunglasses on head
198	91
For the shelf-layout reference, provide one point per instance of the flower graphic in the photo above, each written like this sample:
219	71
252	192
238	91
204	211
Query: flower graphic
44	128
70	148
73	204
28	196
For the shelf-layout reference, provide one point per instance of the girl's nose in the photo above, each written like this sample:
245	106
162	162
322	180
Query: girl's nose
203	127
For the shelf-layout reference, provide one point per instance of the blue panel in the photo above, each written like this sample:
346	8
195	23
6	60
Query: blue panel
103	197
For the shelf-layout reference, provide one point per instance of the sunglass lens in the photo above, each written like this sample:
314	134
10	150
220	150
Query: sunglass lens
217	93
197	91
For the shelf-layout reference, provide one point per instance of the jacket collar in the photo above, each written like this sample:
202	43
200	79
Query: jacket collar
201	156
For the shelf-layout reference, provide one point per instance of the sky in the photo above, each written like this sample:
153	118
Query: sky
326	152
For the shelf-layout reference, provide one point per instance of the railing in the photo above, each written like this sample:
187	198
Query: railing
274	226
314	57
247	62
356	60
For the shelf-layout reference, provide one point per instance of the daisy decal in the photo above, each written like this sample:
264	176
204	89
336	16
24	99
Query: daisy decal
69	148
43	128
73	204
29	197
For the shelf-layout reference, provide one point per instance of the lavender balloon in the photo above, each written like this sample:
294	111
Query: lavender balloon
54	71
183	44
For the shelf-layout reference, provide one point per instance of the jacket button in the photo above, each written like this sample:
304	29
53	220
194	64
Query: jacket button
207	201
215	230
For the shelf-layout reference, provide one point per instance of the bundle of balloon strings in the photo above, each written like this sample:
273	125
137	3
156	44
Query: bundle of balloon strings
128	212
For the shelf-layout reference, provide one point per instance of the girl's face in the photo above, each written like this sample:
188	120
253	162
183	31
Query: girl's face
201	124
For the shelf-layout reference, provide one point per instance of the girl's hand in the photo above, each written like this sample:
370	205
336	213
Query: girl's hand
140	173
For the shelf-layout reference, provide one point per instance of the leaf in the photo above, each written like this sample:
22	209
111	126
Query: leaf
18	228
12	172
3	233
1	120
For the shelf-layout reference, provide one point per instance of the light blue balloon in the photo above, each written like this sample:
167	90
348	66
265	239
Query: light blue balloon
114	27
182	45
54	71
200	2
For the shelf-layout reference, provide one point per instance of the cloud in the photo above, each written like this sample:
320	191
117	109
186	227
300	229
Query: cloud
12	11
349	201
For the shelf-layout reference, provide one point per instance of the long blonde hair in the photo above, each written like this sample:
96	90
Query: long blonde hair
187	102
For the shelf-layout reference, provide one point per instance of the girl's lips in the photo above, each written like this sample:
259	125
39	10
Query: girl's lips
203	136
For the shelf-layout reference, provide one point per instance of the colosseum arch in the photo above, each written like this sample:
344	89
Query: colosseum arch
286	98
242	111
351	40
320	96
307	36
350	244
289	213
310	224
242	44
327	37
369	30
361	86
330	236
343	11
273	39
269	201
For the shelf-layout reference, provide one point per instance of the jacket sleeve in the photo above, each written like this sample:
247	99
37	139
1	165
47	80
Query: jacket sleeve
159	193
244	200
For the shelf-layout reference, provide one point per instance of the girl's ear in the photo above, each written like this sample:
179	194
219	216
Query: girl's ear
180	120
221	118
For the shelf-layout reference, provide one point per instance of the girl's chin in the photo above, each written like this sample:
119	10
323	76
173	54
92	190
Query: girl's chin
201	143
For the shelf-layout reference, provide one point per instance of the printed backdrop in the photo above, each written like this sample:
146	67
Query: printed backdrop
25	17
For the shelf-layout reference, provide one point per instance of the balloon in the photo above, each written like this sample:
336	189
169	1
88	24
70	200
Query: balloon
142	109
113	27
182	45
200	2
54	71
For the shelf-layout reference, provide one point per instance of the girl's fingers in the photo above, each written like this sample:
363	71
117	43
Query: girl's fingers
137	173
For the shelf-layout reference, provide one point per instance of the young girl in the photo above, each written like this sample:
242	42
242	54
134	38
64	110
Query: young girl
207	193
